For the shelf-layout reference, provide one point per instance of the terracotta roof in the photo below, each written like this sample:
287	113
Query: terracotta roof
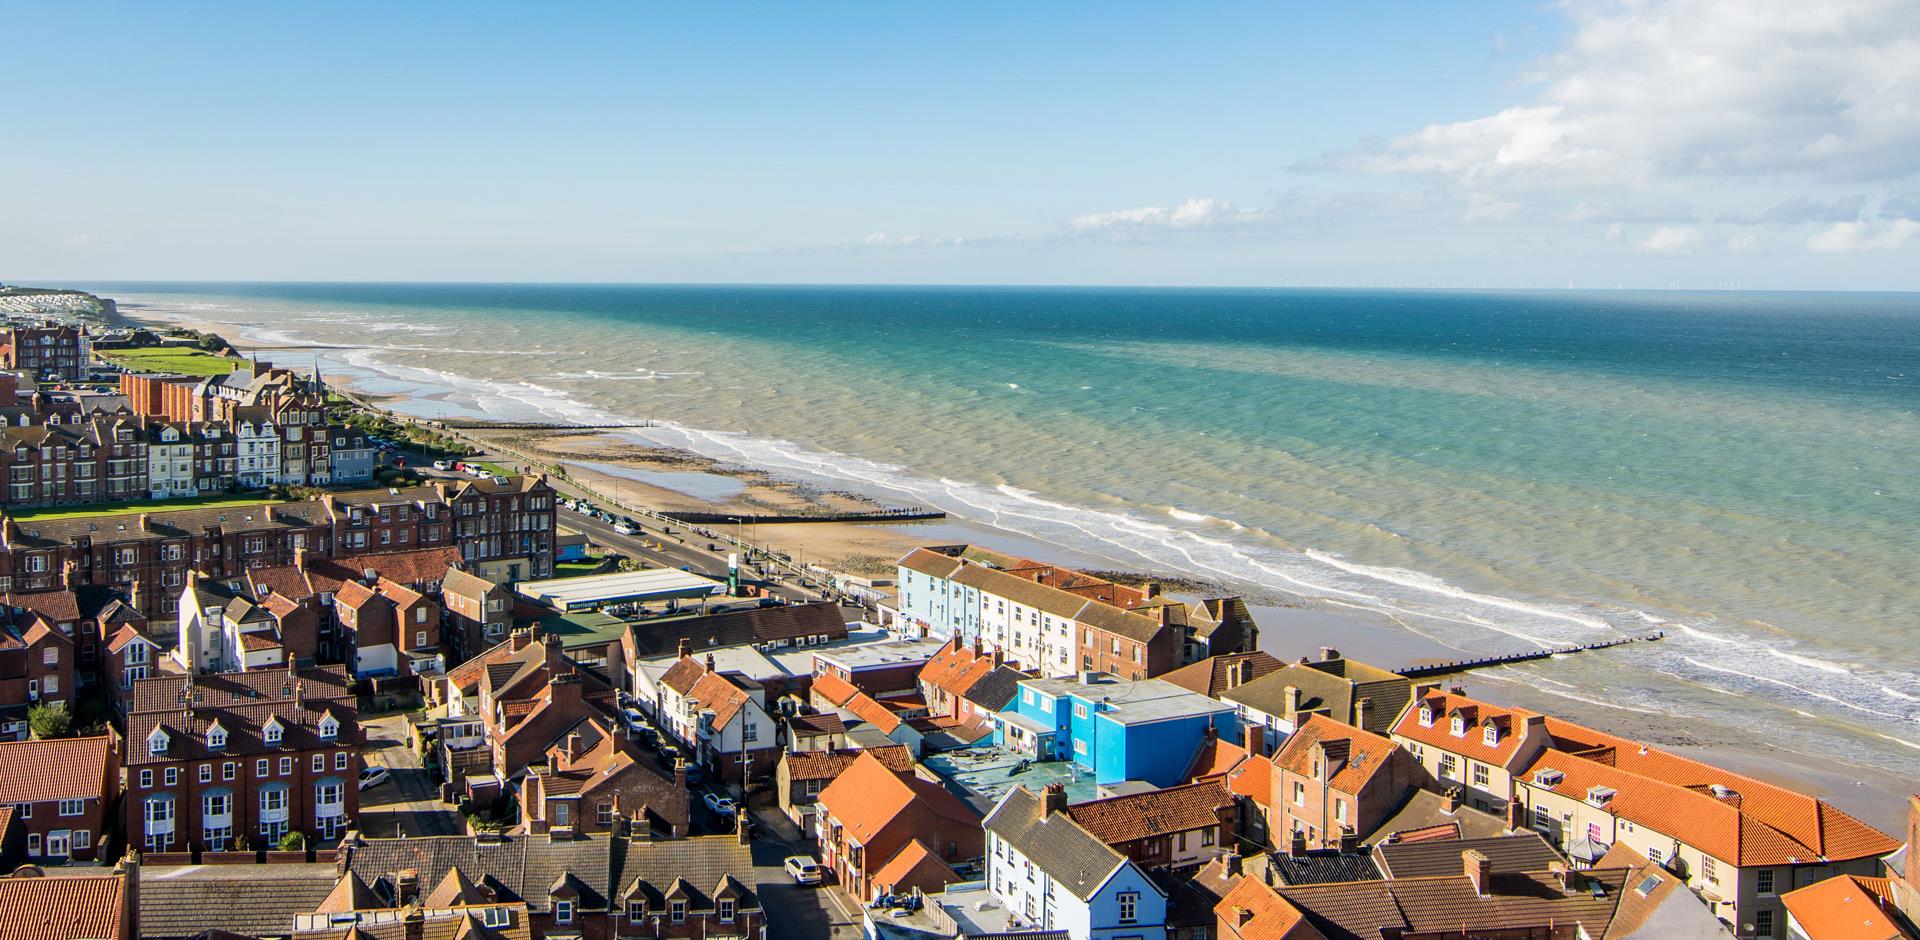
1755	824
868	796
1216	757
1217	674
258	641
1471	743
399	593
63	908
1253	779
1154	813
1846	907
956	668
59	769
832	688
355	595
456	581
826	765
716	693
1254	911
869	709
914	866
816	723
420	566
59	606
681	676
1361	753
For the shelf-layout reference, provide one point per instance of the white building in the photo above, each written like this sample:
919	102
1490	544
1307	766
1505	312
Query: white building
259	454
1054	875
170	463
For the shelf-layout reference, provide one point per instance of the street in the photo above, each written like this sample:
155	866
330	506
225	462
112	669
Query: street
796	911
407	803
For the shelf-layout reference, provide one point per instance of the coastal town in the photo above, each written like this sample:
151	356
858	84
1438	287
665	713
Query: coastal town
277	664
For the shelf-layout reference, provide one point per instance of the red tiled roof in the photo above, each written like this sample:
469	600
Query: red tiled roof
399	593
868	709
63	768
956	668
59	606
354	594
1216	757
826	765
716	693
681	676
867	797
1254	911
1154	813
62	908
833	689
419	566
1253	779
914	866
1845	907
1366	752
1472	742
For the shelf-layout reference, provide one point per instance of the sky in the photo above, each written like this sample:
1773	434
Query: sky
1652	143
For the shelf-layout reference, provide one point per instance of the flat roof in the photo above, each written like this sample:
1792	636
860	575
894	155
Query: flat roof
1130	702
875	655
984	773
592	590
583	629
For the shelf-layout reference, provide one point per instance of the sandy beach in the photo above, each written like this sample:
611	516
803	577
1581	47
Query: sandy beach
667	479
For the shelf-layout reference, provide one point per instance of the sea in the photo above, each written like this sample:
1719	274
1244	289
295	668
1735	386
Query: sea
1497	471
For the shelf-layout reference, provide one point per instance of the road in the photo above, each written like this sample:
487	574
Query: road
796	911
408	802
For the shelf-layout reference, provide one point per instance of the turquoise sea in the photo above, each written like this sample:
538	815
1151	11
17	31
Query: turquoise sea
1497	470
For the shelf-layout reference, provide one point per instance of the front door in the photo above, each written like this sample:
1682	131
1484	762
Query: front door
59	843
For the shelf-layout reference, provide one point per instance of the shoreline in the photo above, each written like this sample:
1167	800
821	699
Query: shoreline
670	478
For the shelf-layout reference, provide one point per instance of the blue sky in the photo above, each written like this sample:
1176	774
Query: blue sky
1653	143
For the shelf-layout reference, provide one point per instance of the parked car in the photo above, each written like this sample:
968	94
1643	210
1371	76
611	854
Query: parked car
442	465
804	870
719	804
625	529
635	721
371	777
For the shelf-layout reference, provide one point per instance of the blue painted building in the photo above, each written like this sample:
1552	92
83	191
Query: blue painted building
1118	729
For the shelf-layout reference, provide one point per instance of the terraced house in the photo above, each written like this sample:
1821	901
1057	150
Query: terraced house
61	792
212	760
1057	621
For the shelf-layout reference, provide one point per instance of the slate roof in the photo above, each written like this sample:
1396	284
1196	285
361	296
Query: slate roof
1139	816
1333	686
1521	851
251	900
1074	858
243	703
1214	675
1316	868
63	768
995	689
699	869
736	628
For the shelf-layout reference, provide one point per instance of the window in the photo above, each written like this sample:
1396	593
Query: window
72	807
1491	735
1480	775
678	912
1340	811
420	637
206	773
82	838
562	814
146	778
340	761
329	728
26	810
319	763
260	767
1763	922
271	733
1763	881
173	776
1542	818
1654	856
1079	710
228	770
1708	870
636	912
1449	766
1299	793
157	742
750	732
497	917
563	912
33	843
726	910
286	766
51	656
1459	727
1129	906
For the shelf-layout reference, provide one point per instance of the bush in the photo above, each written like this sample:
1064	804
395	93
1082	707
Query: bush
293	842
50	721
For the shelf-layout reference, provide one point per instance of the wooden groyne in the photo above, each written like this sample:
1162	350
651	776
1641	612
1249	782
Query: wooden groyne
1463	665
473	425
910	514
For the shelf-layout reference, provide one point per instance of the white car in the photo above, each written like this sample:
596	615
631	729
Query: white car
720	804
442	465
635	721
805	870
625	529
374	776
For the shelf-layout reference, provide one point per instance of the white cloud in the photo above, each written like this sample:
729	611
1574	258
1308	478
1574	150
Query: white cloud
1616	232
1482	207
1743	243
1670	240
1863	236
1192	214
1648	90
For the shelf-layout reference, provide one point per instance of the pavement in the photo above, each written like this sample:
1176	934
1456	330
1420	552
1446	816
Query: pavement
408	802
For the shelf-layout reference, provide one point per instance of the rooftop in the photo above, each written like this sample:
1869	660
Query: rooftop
876	655
622	586
985	774
1130	702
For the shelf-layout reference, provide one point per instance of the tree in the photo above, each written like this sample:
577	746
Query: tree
49	721
293	842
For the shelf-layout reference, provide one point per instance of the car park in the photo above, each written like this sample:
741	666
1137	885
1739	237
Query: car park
803	869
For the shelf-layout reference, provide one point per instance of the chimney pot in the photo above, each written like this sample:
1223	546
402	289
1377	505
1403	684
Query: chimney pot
1053	799
1328	654
1254	736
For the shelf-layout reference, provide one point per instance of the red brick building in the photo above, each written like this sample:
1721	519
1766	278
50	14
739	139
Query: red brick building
213	760
47	350
870	814
61	791
37	666
1332	782
595	780
1177	827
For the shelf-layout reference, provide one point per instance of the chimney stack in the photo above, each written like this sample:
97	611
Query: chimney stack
576	749
1479	870
1292	697
1328	654
1363	711
406	886
1297	843
741	828
146	522
686	647
1151	589
1233	862
1053	799
1453	799
1516	816
710	662
1255	738
1558	869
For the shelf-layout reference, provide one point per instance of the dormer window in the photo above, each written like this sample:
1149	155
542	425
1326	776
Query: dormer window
157	742
273	731
1459	728
1426	716
216	737
1490	734
329	728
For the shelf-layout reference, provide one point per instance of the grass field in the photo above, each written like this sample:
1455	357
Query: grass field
174	359
574	569
145	505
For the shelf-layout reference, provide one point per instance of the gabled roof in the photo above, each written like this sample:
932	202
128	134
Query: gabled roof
38	907
350	894
870	710
826	765
914	866
698	869
1216	674
1443	706
1360	753
716	693
1521	851
1846	907
1074	858
1334	686
456	581
868	797
833	689
995	689
454	890
956	667
1153	813
1254	911
58	769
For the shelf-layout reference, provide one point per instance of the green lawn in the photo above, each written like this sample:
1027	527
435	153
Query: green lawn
147	505
574	569
175	359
